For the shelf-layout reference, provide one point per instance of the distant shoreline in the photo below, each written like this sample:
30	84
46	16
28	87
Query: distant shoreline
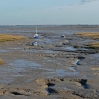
67	26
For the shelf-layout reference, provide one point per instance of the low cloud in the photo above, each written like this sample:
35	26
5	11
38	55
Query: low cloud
86	1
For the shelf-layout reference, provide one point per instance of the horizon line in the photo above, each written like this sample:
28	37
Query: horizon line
51	25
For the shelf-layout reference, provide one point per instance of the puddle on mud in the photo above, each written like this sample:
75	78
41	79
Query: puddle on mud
24	63
70	48
3	51
66	88
16	48
60	73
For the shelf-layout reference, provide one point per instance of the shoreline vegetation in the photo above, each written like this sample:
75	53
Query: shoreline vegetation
8	37
93	35
94	45
1	61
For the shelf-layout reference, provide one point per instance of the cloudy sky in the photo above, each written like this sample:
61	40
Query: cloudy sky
42	12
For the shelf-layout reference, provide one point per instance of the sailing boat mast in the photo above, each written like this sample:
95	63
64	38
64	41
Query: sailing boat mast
36	29
36	35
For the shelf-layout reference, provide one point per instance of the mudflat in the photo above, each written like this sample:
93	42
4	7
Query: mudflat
58	67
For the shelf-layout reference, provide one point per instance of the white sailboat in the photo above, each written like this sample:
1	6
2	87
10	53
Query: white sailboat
36	35
34	43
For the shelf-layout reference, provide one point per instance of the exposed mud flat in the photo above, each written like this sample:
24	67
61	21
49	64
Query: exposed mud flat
57	68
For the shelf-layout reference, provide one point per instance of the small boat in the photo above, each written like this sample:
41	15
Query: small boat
63	36
34	43
36	35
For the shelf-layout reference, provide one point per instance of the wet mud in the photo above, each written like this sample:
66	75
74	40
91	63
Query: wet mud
57	68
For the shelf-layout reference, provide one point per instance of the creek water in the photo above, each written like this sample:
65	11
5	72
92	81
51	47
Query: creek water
76	62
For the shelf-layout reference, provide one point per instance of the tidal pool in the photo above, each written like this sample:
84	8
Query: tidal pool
70	48
60	73
24	63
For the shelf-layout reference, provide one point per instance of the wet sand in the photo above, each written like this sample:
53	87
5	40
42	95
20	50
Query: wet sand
57	68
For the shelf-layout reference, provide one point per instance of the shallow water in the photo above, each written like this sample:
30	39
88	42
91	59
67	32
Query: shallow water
70	48
40	51
3	51
75	63
60	73
18	48
24	63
